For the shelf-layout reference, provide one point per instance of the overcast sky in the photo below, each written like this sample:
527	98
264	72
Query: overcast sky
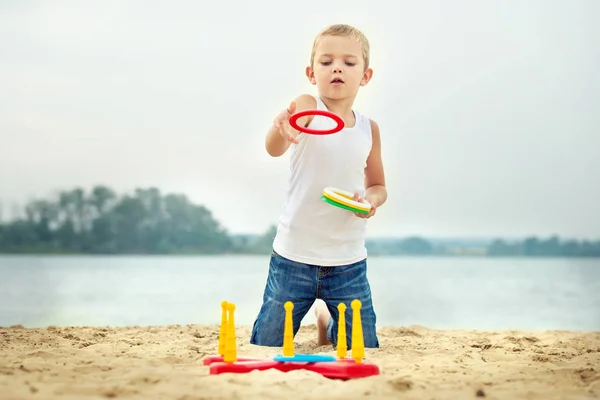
489	110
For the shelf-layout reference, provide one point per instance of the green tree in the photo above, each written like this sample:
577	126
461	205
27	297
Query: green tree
102	222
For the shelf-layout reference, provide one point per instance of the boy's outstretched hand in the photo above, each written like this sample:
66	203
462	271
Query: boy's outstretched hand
282	124
362	200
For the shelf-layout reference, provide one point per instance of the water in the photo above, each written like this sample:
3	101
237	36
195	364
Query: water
463	293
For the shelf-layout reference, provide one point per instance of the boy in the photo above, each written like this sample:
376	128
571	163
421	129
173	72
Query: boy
319	251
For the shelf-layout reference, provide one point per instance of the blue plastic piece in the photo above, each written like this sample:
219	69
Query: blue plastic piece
305	358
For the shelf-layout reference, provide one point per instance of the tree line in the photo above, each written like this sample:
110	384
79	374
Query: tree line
528	247
100	221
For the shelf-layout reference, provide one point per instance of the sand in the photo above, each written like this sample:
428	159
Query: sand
165	362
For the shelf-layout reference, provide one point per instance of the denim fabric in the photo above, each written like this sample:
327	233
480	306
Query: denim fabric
302	284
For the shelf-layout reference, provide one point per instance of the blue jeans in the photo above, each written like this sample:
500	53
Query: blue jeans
302	284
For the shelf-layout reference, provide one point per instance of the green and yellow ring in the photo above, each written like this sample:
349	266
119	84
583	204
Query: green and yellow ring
343	199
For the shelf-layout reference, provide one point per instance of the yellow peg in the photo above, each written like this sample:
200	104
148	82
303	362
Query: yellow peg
358	344
288	330
223	329
342	347
230	340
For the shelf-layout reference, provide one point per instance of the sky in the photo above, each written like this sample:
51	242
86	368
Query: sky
489	111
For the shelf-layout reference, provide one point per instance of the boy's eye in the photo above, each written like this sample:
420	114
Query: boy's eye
348	63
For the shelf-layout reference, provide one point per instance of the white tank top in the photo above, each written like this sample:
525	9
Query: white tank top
311	231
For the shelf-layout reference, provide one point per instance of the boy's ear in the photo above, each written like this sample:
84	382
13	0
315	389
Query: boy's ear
310	74
367	75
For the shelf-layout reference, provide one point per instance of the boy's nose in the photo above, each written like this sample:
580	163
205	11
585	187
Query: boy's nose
337	69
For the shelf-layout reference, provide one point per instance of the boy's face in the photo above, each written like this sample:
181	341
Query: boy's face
339	68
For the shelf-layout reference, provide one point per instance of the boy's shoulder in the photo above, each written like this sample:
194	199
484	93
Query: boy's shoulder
375	135
374	126
305	101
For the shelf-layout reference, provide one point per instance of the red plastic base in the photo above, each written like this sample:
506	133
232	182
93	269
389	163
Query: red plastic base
342	369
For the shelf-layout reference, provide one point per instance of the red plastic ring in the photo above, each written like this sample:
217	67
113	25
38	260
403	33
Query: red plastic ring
335	117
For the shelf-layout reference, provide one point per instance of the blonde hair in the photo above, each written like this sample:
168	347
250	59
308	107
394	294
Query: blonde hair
346	31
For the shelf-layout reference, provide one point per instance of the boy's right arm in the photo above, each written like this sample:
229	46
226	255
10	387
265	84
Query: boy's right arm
281	134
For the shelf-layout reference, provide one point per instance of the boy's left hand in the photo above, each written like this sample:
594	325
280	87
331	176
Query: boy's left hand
362	200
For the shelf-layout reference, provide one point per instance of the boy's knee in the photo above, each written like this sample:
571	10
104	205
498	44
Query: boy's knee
369	332
266	333
268	326
266	339
370	339
370	328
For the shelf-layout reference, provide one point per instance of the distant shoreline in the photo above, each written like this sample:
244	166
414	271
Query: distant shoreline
150	222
